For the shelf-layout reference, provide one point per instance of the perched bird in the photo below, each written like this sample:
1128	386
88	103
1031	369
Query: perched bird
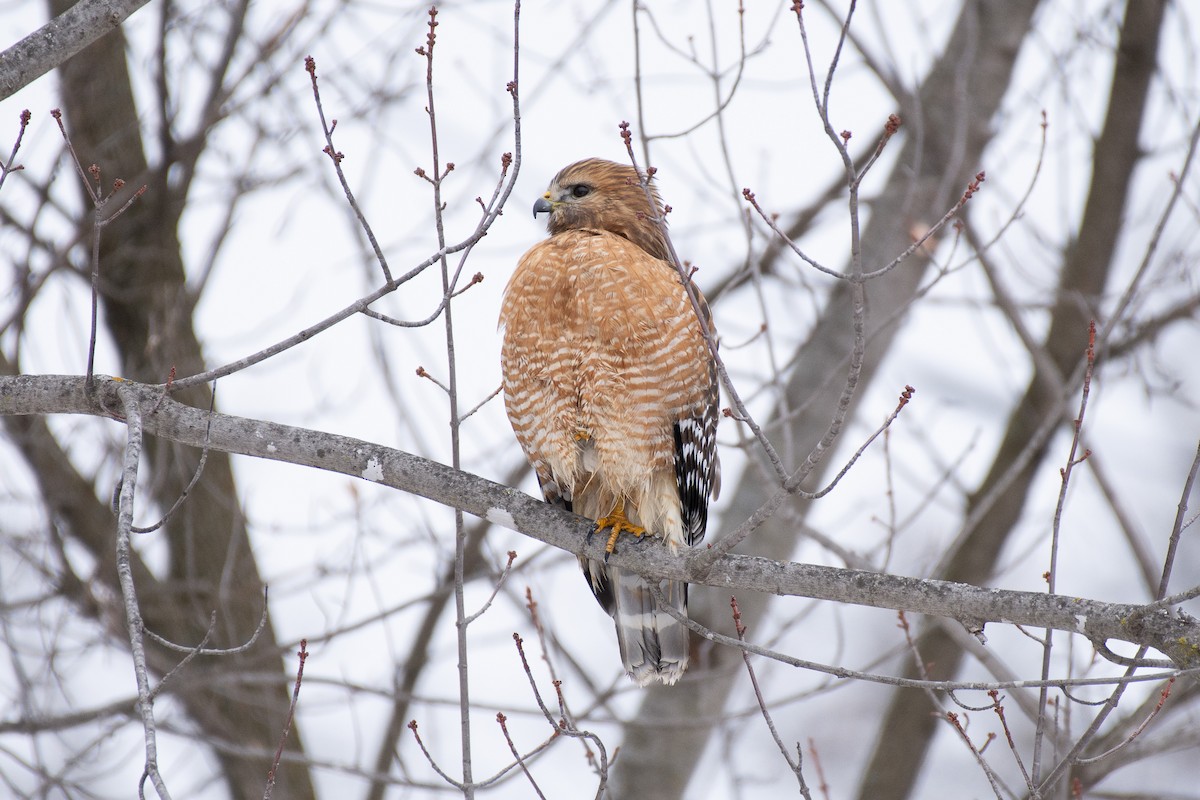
612	391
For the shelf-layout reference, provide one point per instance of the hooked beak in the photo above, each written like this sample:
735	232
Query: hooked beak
542	204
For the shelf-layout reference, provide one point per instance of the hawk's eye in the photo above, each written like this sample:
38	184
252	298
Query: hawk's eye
580	190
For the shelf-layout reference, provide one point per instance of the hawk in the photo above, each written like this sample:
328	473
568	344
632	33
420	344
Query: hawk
613	394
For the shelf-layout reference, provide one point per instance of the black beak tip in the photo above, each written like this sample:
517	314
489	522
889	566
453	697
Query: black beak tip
541	205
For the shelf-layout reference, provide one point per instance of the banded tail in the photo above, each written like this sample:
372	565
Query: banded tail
654	645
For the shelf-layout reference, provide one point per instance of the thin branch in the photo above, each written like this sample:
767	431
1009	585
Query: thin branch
698	307
310	66
712	72
503	720
133	615
460	532
10	165
99	201
1012	745
917	244
212	403
482	403
1178	526
911	683
562	726
795	765
705	558
402	323
1126	299
287	726
1174	599
1162	699
905	399
201	650
512	556
955	723
412	726
1051	576
1103	650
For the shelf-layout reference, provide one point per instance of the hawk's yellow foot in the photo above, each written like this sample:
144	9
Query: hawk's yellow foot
618	523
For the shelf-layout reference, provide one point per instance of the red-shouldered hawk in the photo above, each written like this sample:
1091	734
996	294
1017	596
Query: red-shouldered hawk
612	392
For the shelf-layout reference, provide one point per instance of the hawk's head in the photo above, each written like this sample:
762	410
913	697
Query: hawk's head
603	195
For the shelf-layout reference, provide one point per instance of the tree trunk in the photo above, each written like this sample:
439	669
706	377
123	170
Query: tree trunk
946	135
908	727
148	312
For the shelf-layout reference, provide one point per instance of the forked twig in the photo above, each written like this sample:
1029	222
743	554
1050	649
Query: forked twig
512	556
327	128
1162	700
1056	528
564	726
99	202
212	403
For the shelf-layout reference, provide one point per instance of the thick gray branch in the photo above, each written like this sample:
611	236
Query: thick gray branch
59	39
1174	634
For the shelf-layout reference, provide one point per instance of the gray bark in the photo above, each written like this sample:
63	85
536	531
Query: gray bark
1175	635
59	39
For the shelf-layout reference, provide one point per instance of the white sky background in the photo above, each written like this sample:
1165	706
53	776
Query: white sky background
336	550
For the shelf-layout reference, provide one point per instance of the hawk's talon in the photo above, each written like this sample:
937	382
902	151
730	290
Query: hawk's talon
618	523
611	546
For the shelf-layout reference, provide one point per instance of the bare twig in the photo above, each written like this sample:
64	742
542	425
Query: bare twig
310	65
460	533
956	723
482	403
712	71
412	726
212	403
743	414
10	165
1118	314
917	243
491	212
1178	526
816	762
1111	703
706	558
905	398
287	726
201	650
1012	745
512	556
1051	575
1162	700
99	220
503	720
564	726
796	765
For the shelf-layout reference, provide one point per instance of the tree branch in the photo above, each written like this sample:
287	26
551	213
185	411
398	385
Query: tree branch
1175	635
59	39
